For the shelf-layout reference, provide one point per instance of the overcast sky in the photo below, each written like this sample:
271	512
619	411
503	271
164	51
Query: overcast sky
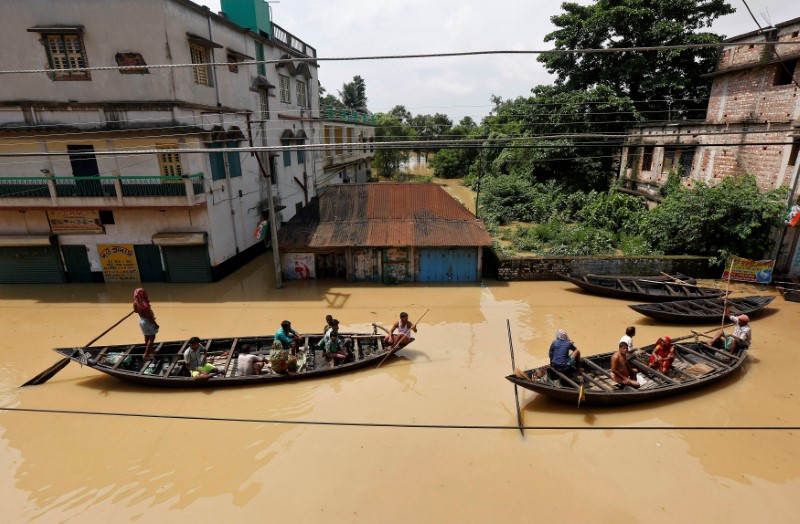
456	86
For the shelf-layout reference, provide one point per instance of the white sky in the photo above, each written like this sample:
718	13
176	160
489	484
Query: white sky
456	86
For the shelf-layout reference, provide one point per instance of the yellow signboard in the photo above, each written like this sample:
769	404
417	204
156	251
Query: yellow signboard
74	221
118	262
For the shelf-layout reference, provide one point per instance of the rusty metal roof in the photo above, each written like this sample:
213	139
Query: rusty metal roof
383	214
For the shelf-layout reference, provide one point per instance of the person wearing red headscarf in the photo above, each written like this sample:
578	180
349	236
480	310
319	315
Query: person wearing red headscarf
147	320
663	355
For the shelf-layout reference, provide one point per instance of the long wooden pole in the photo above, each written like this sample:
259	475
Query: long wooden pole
513	369
727	290
399	340
48	373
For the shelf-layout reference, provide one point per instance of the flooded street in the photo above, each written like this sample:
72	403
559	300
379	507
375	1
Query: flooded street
85	447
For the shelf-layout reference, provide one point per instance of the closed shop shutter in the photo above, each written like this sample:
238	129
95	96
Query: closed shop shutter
31	265
77	261
148	257
448	265
187	263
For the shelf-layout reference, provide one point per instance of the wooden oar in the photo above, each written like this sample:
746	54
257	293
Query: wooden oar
399	340
678	280
50	372
514	370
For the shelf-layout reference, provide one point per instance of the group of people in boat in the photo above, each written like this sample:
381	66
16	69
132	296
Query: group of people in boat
566	358
335	348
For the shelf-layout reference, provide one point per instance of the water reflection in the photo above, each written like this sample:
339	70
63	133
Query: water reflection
60	467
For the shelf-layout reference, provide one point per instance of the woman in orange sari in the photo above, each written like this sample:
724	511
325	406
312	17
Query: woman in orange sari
663	355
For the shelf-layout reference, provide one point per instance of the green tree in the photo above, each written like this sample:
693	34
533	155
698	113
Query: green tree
327	100
540	136
354	94
731	218
649	78
389	128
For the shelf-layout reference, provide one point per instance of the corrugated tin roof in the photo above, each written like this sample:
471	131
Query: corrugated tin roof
383	214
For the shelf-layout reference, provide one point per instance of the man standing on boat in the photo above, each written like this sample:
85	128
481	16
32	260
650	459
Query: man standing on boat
742	333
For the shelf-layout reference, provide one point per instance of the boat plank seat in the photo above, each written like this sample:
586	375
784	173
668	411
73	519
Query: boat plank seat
124	356
707	358
603	386
152	361
565	378
178	358
647	370
606	373
231	351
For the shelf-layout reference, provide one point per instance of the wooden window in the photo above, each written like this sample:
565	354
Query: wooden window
793	153
328	140
66	53
647	158
784	73
338	138
286	95
233	63
169	164
261	68
287	153
301	153
350	140
300	91
200	72
234	162
263	104
217	161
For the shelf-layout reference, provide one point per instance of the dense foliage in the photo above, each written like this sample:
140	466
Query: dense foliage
733	217
648	78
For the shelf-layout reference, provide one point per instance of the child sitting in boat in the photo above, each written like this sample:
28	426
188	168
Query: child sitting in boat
663	355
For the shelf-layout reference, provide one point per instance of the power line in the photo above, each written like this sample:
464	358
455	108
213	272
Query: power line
396	425
610	50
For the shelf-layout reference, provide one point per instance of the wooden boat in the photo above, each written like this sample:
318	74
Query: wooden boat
701	310
696	365
644	288
168	370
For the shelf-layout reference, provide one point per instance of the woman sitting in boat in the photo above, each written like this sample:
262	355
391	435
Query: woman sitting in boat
560	357
663	355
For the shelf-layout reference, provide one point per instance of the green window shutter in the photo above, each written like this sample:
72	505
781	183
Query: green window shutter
301	154
261	68
217	161
287	154
234	163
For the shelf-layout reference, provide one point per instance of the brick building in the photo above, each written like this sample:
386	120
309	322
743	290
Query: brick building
752	126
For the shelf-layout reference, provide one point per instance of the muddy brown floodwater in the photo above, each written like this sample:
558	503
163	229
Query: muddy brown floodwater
76	453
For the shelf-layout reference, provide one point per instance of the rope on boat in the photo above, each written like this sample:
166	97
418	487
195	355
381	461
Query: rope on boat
409	426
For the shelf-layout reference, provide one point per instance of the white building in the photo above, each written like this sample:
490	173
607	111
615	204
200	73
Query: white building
80	209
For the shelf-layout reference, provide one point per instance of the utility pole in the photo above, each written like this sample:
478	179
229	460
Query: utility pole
270	209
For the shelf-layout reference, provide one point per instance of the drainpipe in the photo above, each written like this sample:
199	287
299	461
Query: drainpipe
270	207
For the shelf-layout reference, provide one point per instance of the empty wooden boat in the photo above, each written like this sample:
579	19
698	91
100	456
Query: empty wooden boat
703	310
644	288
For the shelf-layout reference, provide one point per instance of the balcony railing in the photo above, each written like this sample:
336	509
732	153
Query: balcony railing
346	115
100	186
286	38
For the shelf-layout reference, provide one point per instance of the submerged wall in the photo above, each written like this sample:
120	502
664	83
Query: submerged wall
550	268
